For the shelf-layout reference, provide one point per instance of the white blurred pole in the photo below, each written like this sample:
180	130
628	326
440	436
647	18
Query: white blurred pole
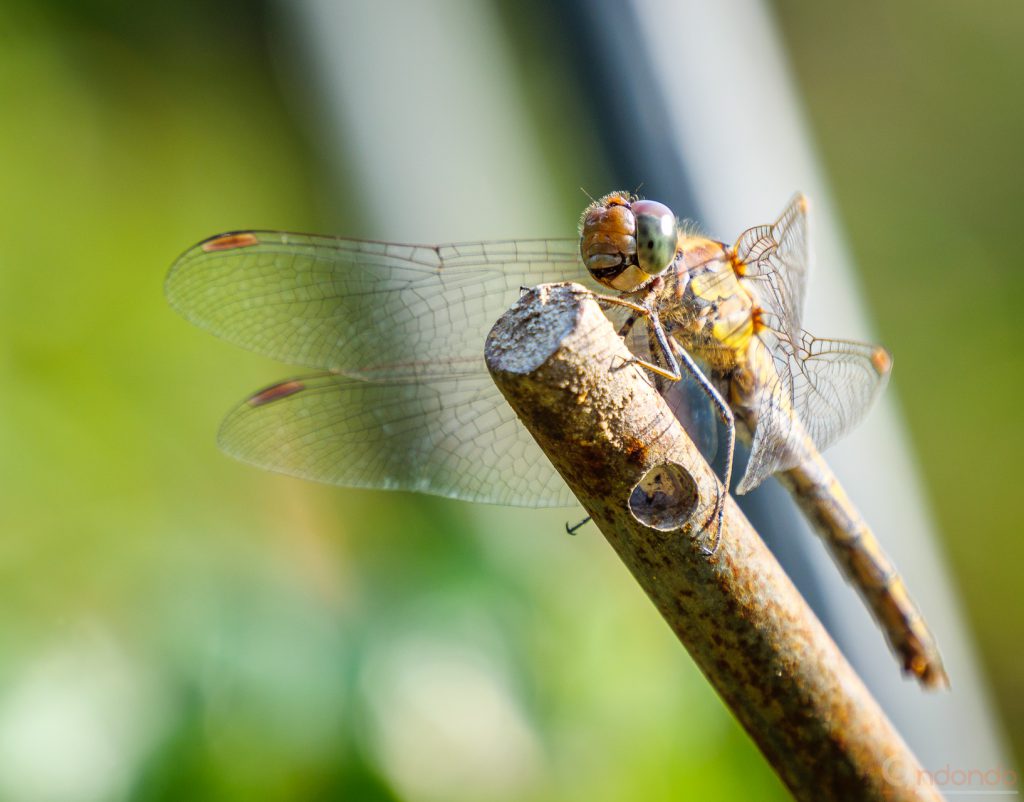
422	105
740	128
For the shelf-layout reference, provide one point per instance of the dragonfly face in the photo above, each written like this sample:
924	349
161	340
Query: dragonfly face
626	243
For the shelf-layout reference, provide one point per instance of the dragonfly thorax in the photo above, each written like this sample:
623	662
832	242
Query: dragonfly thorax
626	243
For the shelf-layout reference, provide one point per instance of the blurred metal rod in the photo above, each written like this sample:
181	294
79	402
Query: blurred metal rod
560	364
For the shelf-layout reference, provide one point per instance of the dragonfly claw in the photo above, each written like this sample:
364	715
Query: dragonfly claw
572	530
714	524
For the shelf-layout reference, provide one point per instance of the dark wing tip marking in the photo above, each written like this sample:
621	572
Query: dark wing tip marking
275	393
230	241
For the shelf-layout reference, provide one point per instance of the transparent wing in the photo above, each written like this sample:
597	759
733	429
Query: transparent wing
833	384
437	431
342	304
776	260
814	391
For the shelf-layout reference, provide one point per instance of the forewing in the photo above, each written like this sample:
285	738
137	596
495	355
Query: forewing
820	390
346	305
776	260
439	432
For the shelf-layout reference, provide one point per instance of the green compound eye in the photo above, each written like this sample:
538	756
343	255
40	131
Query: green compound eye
656	236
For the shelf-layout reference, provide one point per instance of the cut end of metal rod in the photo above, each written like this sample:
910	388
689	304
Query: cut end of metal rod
534	328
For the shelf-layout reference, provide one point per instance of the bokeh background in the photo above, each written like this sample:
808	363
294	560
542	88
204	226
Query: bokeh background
176	625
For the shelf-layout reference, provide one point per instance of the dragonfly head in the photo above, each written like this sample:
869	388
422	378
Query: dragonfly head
626	242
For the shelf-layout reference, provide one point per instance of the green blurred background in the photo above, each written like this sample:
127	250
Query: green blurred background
918	111
177	625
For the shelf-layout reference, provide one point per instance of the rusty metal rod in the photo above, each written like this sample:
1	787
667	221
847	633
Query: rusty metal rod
558	361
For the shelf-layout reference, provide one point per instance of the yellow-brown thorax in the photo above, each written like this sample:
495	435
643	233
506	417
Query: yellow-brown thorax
712	313
635	247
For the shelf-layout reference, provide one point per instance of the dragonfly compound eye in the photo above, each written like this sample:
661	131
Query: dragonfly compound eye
656	236
625	243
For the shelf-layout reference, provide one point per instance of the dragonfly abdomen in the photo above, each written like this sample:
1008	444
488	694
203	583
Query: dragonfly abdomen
861	558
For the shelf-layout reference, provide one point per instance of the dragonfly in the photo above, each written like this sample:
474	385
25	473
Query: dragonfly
397	395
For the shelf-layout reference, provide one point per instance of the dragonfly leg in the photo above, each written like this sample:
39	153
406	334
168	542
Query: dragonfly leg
627	327
729	420
615	300
572	530
654	322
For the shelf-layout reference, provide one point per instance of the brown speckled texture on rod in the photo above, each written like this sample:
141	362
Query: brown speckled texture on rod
558	361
